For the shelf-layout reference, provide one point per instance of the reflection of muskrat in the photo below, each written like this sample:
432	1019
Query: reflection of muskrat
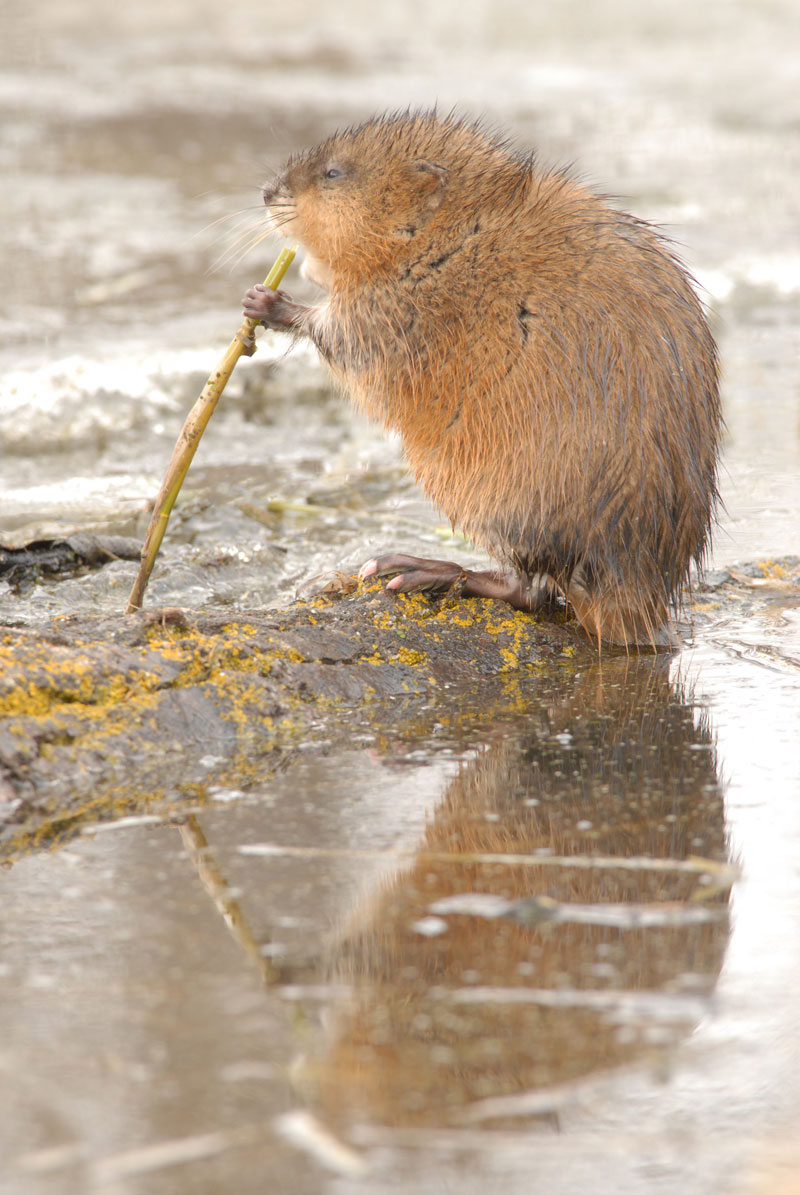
508	1002
543	357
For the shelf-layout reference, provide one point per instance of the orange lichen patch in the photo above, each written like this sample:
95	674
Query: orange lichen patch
405	655
783	576
772	568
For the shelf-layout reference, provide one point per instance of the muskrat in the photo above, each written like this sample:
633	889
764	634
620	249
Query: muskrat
543	356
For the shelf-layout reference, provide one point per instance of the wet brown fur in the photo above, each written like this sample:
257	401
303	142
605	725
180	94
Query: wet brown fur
543	356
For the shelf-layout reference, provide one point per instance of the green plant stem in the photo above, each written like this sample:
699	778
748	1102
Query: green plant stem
186	445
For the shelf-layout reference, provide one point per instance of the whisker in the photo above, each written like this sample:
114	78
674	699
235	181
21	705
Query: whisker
246	249
218	234
233	244
240	249
242	211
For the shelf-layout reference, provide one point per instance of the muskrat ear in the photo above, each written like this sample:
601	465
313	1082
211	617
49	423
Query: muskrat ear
434	178
430	167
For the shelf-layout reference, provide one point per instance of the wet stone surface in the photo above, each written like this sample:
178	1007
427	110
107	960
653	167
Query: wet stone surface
93	709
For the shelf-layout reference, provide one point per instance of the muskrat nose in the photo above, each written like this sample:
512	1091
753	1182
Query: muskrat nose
275	187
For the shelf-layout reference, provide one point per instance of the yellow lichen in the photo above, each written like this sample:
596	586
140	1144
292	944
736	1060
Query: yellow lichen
773	568
405	655
510	659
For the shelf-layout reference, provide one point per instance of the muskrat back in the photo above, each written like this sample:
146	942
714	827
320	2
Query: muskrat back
543	356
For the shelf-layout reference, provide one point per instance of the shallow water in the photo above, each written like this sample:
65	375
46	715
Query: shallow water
291	1004
278	989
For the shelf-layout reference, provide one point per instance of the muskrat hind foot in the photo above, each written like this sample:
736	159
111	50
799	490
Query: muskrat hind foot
411	574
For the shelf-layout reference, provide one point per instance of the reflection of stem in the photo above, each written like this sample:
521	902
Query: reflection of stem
718	877
216	886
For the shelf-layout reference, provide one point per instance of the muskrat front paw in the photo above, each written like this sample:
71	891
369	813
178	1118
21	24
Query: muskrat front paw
272	308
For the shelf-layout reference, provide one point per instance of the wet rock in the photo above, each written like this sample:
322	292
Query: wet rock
104	715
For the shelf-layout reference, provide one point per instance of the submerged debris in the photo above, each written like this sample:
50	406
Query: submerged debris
49	559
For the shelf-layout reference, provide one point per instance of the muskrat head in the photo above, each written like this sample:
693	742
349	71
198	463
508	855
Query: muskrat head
359	198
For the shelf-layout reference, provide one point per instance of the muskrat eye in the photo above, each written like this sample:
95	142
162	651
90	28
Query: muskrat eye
334	172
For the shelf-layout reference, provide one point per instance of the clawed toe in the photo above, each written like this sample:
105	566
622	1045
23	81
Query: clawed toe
409	574
422	580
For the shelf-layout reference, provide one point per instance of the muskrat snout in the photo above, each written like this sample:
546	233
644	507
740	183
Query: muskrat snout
269	191
277	189
279	202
